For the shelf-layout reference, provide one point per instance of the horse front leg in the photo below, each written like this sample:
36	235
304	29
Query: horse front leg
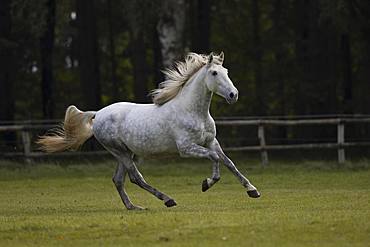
251	190
209	182
138	179
195	150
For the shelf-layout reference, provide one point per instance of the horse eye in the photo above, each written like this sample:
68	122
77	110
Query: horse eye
214	73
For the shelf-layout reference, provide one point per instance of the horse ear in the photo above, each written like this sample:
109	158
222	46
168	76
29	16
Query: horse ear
210	58
221	57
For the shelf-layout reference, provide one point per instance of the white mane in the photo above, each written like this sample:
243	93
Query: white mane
179	75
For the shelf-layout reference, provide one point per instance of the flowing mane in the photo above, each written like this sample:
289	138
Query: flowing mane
177	77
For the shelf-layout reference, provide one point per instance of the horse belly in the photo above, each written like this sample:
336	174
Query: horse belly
148	138
150	146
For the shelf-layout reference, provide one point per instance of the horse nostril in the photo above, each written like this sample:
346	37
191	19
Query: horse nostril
231	95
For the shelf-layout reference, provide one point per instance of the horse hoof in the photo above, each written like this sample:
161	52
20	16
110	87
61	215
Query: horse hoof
253	193
205	185
170	203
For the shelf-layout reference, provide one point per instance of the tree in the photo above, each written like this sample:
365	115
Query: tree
139	20
171	26
280	64
347	72
140	67
6	60
46	50
302	50
6	67
200	11
157	63
112	51
88	58
258	80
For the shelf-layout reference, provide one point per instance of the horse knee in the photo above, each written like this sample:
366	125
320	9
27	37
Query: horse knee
214	156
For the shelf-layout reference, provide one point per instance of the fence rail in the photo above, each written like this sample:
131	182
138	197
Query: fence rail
263	148
26	128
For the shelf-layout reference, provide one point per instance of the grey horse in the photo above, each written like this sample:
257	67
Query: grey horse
178	121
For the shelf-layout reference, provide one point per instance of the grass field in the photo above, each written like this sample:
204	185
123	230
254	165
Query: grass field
306	204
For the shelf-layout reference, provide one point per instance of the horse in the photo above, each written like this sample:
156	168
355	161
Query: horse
178	122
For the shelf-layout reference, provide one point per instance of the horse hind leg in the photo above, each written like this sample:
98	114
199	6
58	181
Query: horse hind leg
119	181
122	154
137	178
126	165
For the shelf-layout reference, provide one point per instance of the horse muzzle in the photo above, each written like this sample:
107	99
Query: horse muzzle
232	97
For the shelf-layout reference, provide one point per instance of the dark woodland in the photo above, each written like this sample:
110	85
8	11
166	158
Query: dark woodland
286	57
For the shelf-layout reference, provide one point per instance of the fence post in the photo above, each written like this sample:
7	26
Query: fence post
340	141
262	141
26	139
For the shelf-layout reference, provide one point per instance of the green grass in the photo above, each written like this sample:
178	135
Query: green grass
306	204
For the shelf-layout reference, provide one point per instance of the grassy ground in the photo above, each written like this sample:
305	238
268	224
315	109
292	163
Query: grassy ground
307	204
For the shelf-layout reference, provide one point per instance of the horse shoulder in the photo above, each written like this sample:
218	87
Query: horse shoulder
197	130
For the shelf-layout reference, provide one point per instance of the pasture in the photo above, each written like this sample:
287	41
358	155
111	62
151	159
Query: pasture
76	204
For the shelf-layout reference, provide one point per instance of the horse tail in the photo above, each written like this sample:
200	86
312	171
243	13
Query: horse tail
75	130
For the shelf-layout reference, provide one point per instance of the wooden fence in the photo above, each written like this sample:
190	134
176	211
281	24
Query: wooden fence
263	147
26	128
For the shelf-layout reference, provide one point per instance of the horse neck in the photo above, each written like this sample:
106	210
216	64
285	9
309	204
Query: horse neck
195	96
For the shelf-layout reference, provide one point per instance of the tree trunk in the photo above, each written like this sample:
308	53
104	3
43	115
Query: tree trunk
347	73
260	90
202	27
171	30
112	51
46	50
6	61
6	68
88	54
279	64
302	31
138	58
158	66
279	54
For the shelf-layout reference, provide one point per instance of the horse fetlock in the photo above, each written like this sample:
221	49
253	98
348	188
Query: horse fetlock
250	187
205	185
209	182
